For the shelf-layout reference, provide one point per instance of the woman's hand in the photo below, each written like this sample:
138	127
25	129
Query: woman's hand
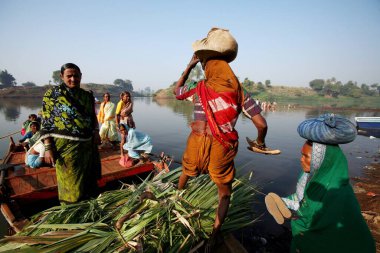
49	157
181	81
194	61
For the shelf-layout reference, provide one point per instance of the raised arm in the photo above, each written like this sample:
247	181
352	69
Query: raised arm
181	81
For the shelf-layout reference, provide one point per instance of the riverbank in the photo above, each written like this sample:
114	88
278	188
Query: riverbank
367	190
39	91
301	97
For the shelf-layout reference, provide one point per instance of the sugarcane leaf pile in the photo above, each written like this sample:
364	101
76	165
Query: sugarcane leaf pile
150	217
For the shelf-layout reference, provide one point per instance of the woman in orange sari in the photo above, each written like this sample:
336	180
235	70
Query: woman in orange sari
213	143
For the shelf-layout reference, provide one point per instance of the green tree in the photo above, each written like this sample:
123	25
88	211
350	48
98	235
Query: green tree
56	77
331	89
6	79
376	88
28	84
332	80
124	84
356	93
260	86
348	89
248	84
268	84
317	85
367	90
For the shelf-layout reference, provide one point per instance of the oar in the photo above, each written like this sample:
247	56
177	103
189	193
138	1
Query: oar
9	135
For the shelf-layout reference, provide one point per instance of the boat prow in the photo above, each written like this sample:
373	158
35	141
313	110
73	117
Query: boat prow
368	126
368	122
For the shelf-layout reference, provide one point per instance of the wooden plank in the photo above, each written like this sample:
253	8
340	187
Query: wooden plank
24	181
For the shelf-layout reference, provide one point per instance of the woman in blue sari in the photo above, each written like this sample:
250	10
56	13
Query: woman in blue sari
134	142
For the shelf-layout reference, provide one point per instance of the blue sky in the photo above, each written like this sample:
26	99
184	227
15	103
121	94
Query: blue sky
149	42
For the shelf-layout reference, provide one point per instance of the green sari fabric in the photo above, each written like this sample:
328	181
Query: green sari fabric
329	218
78	168
68	112
69	117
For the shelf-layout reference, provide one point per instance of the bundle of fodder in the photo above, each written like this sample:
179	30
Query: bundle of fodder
151	217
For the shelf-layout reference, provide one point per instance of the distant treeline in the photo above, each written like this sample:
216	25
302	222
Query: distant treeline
332	87
7	80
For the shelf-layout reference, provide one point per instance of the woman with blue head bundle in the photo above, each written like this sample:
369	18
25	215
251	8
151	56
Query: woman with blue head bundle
326	215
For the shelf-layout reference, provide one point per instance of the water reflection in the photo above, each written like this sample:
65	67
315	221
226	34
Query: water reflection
11	113
373	133
167	120
183	108
11	107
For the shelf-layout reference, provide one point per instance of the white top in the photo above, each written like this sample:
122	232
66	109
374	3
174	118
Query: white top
40	148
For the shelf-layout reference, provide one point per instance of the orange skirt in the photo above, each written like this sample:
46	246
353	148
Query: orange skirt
205	154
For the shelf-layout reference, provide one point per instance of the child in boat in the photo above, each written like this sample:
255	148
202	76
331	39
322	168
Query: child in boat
26	125
136	143
35	155
34	127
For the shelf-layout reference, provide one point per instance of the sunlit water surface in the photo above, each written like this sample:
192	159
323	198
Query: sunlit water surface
166	121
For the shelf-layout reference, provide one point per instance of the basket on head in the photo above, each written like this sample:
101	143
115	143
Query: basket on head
328	128
219	43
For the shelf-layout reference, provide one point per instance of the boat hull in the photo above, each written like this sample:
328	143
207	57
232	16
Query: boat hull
368	122
22	188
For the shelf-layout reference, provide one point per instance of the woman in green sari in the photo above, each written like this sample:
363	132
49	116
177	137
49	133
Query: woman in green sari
326	214
70	133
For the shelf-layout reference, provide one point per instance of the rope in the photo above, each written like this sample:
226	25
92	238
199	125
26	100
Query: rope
9	135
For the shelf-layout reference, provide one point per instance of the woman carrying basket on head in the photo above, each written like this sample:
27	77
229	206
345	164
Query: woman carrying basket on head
213	143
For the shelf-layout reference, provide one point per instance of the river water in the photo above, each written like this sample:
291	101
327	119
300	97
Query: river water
166	121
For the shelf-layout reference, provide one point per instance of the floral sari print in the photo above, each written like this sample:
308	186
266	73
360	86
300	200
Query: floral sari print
69	117
68	113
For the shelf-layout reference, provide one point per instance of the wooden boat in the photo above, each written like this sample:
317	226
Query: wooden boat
367	122
22	188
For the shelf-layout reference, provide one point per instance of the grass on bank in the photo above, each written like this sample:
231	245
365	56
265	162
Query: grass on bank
300	96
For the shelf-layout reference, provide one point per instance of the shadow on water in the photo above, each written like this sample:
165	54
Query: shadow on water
369	132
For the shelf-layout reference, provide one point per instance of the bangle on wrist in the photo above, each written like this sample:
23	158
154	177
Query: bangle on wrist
48	146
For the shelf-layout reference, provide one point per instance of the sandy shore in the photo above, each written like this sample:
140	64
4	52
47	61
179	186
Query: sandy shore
367	190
